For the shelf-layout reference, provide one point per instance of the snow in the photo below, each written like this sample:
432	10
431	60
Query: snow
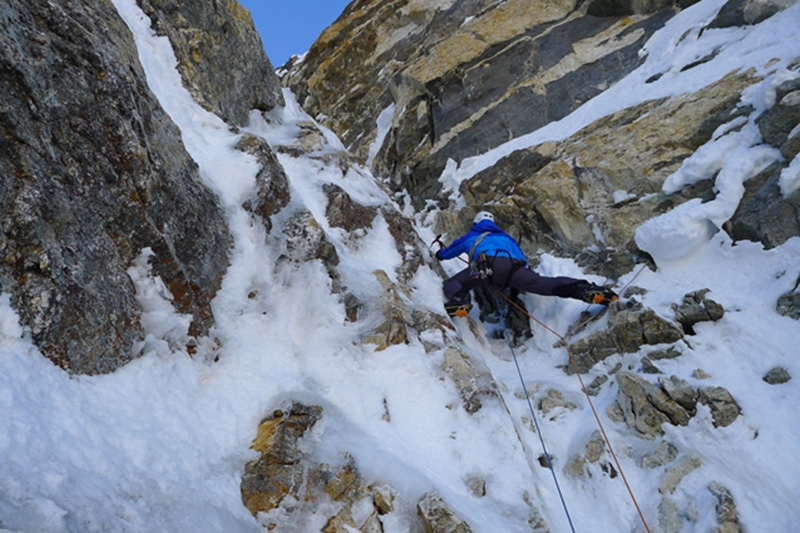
161	444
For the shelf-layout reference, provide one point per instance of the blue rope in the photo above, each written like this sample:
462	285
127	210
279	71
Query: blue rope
533	415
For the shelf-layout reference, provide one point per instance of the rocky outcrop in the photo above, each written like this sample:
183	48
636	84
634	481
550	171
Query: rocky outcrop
743	12
629	327
766	214
220	55
92	171
284	477
645	407
272	185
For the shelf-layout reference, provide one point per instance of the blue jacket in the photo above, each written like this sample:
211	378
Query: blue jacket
497	242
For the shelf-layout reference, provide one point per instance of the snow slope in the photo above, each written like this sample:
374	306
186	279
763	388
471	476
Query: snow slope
160	445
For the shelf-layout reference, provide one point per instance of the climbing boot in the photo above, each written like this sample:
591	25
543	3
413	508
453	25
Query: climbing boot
458	306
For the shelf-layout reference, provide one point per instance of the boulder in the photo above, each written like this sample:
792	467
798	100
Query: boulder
765	214
554	399
343	212
679	390
593	451
669	516
471	383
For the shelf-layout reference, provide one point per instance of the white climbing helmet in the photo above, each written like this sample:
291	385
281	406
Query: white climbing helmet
483	215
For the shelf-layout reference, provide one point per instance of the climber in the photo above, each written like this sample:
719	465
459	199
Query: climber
496	259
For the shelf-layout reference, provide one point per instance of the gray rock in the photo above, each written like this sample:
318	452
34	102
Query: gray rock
646	407
622	8
726	509
92	171
777	376
777	122
594	387
669	353
472	385
764	214
306	240
789	305
676	474
723	406
272	185
669	516
746	12
648	367
477	485
553	399
679	390
661	456
756	11
220	55
629	328
438	517
697	308
593	451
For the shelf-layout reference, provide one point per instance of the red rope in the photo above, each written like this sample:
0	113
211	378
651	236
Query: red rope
591	404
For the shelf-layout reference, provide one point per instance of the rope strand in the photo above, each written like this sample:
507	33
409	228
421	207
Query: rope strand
533	414
585	392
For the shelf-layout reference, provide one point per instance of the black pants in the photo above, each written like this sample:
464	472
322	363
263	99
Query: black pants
506	272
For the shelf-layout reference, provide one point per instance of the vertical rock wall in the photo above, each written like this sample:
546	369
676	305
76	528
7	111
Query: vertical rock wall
91	172
220	55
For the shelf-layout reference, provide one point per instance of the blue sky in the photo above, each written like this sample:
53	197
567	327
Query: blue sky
290	27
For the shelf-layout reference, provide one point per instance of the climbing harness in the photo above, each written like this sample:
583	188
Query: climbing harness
585	392
479	267
530	407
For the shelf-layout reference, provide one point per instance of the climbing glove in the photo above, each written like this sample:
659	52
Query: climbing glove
595	294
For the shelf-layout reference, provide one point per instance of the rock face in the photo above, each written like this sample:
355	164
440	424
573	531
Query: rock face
220	55
92	171
448	78
458	73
